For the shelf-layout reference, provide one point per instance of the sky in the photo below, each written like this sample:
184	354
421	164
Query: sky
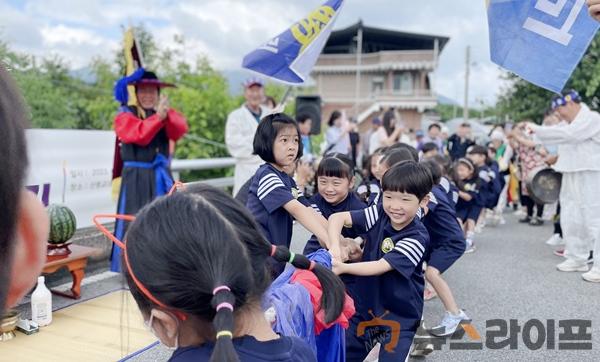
226	30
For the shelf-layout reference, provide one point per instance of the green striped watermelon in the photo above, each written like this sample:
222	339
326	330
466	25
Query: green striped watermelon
62	224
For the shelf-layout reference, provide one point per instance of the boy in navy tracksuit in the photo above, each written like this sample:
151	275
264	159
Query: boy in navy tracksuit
447	244
389	284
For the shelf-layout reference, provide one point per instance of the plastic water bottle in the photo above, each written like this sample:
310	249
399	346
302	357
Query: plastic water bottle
41	304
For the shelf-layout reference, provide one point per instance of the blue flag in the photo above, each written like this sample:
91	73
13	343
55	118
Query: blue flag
542	41
291	55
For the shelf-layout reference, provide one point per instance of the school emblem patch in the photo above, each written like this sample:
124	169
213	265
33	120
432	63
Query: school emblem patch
387	245
295	193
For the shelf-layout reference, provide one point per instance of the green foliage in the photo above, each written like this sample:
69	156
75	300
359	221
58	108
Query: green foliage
58	99
523	100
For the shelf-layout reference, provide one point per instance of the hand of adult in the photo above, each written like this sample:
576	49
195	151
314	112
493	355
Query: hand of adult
163	107
594	8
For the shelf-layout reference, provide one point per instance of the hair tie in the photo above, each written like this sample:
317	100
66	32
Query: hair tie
224	334
273	250
312	265
225	305
292	256
220	288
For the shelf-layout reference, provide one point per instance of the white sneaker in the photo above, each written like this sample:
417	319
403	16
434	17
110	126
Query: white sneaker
570	265
520	212
421	349
555	240
593	276
449	324
470	246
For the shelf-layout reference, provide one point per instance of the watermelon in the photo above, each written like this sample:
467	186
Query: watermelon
62	224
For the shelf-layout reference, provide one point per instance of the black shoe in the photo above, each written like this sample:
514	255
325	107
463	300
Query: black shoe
536	222
525	220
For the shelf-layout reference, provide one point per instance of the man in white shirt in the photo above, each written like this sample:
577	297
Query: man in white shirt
240	129
579	161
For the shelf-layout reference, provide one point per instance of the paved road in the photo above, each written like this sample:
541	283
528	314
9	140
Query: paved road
511	276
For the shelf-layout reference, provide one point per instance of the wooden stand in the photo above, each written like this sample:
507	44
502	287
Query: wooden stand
75	262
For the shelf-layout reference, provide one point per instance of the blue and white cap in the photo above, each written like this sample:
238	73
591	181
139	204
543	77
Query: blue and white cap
572	95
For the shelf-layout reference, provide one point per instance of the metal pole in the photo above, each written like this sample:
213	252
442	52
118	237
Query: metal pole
285	96
466	105
359	40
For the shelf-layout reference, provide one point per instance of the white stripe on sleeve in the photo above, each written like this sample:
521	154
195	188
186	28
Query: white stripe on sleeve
407	255
415	242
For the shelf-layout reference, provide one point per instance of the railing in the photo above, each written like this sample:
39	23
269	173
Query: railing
205	164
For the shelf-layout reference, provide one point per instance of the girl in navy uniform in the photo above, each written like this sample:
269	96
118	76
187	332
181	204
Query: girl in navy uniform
370	189
446	181
273	195
488	187
468	206
335	181
389	302
199	281
498	182
447	244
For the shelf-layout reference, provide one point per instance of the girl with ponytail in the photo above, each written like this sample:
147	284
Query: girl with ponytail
199	286
196	266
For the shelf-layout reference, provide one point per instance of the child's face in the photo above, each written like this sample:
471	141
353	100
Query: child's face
305	127
381	169
285	147
477	158
401	207
375	165
463	172
334	189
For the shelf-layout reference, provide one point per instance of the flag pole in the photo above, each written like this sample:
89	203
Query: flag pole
286	95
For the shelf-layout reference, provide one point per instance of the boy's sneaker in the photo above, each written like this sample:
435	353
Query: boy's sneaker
449	324
570	265
421	349
422	343
593	276
555	240
590	259
470	246
536	221
500	219
525	220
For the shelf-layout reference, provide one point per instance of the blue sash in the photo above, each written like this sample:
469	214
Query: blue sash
163	184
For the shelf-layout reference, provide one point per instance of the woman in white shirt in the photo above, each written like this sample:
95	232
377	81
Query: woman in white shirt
338	140
390	133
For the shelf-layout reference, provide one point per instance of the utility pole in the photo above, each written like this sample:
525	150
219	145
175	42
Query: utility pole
467	69
359	41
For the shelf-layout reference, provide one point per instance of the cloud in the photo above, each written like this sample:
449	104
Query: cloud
225	30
